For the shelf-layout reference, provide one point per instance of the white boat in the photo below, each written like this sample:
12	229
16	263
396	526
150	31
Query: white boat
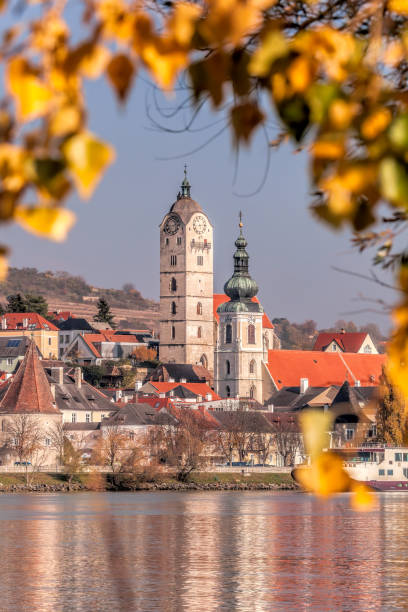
383	468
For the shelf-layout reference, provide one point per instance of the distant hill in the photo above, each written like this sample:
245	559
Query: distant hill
65	292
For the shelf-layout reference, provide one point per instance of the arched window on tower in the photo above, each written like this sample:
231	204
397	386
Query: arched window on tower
173	308
251	334
227	391
252	367
173	332
227	367
173	284
228	333
199	308
199	332
204	361
252	392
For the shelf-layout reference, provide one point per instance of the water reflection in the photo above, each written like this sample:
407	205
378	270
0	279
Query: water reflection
201	551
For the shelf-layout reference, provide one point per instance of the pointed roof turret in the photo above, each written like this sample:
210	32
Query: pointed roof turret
241	288
185	206
185	185
29	391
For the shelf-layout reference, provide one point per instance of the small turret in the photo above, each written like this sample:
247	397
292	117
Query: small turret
240	288
185	186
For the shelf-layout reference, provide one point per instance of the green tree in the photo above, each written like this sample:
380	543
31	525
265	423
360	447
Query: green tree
391	419
16	303
36	303
104	314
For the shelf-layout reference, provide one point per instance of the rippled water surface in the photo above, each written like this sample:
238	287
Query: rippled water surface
246	551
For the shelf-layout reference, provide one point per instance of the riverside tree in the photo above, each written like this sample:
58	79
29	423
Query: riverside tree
391	414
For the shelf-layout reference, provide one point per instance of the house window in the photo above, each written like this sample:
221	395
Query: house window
390	472
251	334
73	417
199	308
227	391
228	367
200	260
367	349
47	442
179	240
88	418
173	284
173	332
199	332
102	416
228	334
173	260
349	434
381	472
49	341
252	367
405	456
9	361
67	338
4	425
173	308
398	456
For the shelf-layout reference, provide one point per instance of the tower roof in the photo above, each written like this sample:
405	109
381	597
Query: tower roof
241	288
185	206
29	391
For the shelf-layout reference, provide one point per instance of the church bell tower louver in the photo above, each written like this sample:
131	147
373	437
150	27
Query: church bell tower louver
186	283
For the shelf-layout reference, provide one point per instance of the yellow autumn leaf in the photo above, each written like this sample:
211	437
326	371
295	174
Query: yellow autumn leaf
273	46
13	166
325	476
341	113
315	425
363	499
87	157
93	64
300	74
3	265
52	223
164	62
229	21
327	149
181	25
398	6
65	120
117	19
376	123
32	96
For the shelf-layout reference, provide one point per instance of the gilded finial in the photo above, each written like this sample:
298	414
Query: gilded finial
241	225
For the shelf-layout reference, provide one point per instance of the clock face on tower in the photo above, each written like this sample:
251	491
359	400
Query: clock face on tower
199	224
172	225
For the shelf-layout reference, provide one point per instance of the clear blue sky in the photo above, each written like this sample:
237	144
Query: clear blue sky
116	237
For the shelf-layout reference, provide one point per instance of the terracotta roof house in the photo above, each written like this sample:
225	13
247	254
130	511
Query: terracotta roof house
346	342
93	348
189	392
34	326
28	408
12	352
322	369
69	329
181	372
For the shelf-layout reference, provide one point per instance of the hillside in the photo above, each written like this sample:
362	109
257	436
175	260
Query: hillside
65	292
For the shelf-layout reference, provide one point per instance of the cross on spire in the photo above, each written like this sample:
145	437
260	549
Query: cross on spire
185	185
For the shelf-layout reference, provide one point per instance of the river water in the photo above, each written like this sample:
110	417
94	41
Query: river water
201	552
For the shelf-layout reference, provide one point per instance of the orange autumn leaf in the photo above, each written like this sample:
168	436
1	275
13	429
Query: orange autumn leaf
31	95
52	223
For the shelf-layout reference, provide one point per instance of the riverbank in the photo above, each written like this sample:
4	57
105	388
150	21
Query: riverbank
201	481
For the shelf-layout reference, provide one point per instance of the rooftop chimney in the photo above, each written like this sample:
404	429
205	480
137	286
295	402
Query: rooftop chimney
25	322
208	397
357	383
118	394
78	377
342	331
3	323
183	380
58	375
304	385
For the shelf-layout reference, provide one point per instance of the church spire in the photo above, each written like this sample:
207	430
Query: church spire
185	185
241	287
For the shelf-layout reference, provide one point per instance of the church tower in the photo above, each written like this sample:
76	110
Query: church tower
240	347
186	283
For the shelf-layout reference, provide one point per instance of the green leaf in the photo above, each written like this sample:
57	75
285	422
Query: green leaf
394	181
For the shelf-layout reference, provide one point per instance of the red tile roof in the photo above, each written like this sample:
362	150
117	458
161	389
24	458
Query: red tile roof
350	342
29	391
89	340
196	388
323	369
60	315
220	298
32	320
